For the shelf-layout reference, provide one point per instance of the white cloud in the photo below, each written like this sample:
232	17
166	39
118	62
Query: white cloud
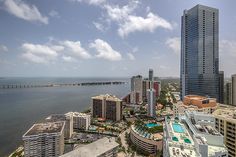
68	59
92	2
148	24
174	44
38	53
128	22
76	48
105	51
54	13
46	53
117	13
34	58
25	11
130	56
99	26
57	47
3	48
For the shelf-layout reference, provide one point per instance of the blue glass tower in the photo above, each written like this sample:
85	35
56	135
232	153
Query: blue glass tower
200	52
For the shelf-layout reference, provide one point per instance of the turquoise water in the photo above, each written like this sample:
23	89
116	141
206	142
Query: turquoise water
177	128
151	125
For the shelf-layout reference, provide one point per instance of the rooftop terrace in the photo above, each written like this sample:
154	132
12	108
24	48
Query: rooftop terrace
43	128
180	142
226	113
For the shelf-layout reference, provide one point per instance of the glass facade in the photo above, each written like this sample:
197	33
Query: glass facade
200	52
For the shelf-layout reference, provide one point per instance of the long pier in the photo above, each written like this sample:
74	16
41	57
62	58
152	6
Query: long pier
14	86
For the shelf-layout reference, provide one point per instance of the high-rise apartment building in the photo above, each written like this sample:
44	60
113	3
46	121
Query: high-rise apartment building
226	125
228	93
44	140
136	89
146	87
151	99
221	87
234	89
81	121
107	106
68	119
200	52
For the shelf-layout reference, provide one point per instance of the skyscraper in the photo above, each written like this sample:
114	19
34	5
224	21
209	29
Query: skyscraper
228	93
150	75
199	52
151	97
136	89
107	106
234	89
221	87
44	139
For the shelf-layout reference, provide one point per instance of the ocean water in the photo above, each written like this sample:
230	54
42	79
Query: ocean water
22	107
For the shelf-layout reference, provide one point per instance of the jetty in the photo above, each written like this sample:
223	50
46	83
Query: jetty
14	86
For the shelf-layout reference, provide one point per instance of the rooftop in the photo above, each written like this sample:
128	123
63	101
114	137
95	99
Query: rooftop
151	136
228	114
198	97
94	149
56	117
77	114
181	143
107	97
45	128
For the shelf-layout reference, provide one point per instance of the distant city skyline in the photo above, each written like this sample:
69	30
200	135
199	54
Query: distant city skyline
101	38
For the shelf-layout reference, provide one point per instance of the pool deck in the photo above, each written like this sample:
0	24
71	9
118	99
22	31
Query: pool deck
151	125
175	146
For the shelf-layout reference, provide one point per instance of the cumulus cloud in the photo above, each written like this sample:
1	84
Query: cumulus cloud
130	56
174	44
25	11
3	48
68	59
117	13
105	51
38	53
129	22
148	24
76	48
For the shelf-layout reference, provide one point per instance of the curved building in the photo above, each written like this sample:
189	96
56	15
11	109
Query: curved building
147	142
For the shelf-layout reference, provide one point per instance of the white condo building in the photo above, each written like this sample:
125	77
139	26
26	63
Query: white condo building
44	140
80	120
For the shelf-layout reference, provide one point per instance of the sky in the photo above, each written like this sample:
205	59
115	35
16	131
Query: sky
102	38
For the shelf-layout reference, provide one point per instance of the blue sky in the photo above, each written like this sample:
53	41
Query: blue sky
102	38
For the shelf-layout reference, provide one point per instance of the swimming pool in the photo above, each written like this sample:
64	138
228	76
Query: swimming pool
178	128
151	125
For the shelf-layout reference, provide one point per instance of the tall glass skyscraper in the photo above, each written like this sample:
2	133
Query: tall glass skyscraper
200	52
